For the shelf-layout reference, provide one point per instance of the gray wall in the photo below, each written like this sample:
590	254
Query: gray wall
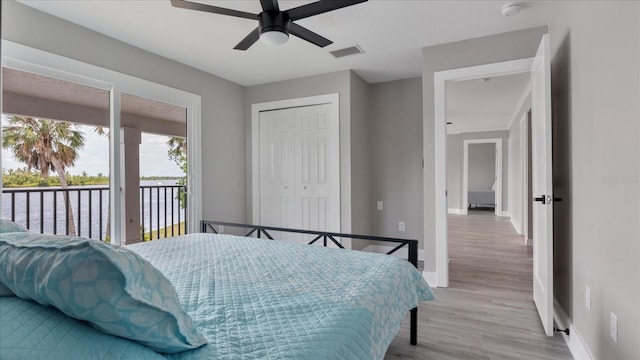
596	107
455	146
360	157
223	171
336	82
396	153
485	50
482	166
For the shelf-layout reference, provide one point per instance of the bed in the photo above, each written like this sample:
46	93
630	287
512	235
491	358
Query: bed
246	297
482	198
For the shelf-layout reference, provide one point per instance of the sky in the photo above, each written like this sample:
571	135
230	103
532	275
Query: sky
94	156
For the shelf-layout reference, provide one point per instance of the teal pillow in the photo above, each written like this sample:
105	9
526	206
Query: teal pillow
112	288
7	226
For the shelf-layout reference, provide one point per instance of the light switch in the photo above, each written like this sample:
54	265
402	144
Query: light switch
379	205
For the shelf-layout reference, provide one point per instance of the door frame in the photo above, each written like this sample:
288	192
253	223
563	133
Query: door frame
440	79
524	163
25	58
331	99
498	174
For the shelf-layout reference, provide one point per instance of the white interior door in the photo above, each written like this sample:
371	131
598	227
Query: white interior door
300	170
542	185
277	187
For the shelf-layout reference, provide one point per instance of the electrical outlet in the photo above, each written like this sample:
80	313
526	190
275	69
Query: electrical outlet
401	226
613	331
379	205
587	297
220	229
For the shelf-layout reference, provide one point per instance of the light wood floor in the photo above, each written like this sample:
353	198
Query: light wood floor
488	311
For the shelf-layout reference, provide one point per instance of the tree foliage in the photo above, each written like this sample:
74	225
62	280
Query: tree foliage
12	178
178	153
45	145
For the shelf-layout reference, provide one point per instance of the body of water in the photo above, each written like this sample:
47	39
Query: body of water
159	207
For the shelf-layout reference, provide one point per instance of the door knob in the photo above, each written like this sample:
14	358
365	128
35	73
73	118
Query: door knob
557	199
542	199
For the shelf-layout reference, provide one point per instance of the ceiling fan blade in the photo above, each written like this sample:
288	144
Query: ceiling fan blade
248	40
319	7
212	9
310	36
270	5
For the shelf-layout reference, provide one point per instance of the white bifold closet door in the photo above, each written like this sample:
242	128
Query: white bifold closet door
300	170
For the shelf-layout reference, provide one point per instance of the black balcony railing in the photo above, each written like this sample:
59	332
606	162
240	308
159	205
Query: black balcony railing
167	202
46	210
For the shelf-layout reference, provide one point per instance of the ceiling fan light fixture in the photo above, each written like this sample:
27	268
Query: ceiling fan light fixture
274	37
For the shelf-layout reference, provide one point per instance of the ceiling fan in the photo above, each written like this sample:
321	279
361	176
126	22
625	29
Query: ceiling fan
274	26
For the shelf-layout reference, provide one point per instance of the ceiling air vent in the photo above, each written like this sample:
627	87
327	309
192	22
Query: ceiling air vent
347	51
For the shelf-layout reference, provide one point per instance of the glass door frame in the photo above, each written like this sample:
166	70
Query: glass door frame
24	58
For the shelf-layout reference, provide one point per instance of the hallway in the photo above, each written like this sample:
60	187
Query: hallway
488	311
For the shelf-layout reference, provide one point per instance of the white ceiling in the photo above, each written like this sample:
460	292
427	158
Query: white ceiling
391	32
476	105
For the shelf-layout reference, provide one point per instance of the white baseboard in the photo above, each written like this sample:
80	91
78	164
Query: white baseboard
431	277
574	341
504	213
516	226
455	211
402	252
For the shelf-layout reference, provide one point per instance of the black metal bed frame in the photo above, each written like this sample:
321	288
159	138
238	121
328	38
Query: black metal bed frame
260	230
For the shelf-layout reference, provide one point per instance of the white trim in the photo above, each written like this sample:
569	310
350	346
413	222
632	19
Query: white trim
455	211
515	225
504	213
521	101
479	130
32	60
116	177
440	177
524	149
576	345
439	204
498	173
431	277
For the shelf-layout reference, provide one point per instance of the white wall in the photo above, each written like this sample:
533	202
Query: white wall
596	122
223	150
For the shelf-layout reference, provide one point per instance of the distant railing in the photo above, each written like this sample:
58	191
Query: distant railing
46	210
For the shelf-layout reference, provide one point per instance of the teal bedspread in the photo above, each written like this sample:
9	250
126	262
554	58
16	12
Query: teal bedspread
262	299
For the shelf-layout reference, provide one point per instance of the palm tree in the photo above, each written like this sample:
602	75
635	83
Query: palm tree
45	145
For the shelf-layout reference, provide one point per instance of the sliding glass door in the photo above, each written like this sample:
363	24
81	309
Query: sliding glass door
109	194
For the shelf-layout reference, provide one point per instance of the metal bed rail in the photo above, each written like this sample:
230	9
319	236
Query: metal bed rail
207	226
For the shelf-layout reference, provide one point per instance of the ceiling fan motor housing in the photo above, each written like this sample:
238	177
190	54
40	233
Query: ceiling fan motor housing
273	21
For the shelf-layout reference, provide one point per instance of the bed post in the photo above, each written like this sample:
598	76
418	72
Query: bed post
413	331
